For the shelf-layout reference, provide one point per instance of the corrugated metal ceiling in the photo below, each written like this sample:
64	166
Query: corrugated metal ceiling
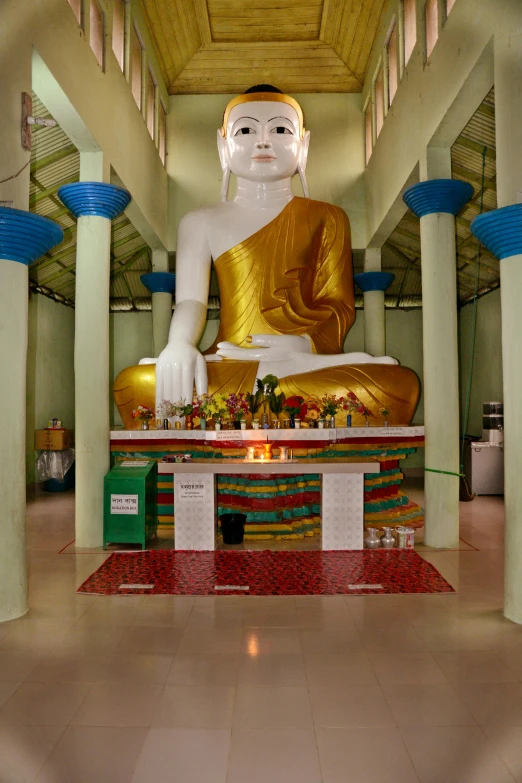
55	162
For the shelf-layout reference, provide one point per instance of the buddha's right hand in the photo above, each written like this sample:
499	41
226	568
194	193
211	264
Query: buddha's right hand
179	365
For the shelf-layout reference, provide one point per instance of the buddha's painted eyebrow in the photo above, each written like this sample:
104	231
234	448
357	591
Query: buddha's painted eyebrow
247	118
281	118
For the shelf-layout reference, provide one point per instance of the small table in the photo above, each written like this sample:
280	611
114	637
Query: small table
342	498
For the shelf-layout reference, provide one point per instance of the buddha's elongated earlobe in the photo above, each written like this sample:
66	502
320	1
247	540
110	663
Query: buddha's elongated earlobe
224	183
225	166
304	183
301	165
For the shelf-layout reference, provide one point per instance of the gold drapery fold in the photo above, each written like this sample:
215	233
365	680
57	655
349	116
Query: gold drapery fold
294	276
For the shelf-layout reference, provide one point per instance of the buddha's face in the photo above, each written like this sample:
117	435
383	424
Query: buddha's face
263	142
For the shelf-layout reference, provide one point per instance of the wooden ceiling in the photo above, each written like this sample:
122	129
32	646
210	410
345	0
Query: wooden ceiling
222	46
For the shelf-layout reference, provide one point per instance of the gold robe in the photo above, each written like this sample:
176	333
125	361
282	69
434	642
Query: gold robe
293	276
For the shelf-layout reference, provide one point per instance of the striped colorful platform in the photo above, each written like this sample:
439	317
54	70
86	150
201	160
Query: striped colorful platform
289	507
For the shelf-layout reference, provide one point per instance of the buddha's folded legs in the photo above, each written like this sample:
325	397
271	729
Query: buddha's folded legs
376	385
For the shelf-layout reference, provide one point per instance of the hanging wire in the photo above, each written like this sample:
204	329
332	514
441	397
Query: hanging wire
465	420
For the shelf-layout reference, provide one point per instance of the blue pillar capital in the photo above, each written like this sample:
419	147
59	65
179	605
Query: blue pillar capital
374	281
438	195
500	231
24	236
159	282
94	198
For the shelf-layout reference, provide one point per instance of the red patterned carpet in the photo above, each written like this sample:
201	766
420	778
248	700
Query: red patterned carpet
265	573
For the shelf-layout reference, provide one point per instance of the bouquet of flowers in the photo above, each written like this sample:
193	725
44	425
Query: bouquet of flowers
213	406
237	406
142	413
295	406
354	405
330	404
168	409
313	411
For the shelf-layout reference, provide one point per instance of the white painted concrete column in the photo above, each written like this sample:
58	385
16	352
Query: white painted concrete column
95	204
436	202
161	283
374	283
23	238
501	232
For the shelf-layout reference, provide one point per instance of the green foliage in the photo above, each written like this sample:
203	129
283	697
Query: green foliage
255	400
276	402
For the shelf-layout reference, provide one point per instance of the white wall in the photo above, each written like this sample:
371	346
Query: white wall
50	369
335	163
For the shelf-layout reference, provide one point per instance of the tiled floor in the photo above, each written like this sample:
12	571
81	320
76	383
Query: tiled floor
362	689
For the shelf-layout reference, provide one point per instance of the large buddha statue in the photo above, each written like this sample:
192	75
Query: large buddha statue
284	268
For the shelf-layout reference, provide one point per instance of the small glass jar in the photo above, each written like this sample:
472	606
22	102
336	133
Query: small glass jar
255	424
320	424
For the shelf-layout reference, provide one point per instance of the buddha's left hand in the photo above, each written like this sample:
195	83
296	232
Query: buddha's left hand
267	347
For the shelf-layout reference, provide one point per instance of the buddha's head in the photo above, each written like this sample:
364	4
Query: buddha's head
263	138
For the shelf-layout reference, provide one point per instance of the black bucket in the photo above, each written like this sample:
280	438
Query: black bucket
233	528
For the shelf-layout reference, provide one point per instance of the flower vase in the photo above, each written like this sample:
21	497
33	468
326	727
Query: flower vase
237	424
264	421
189	424
297	424
371	539
292	422
320	424
203	424
332	422
243	424
388	539
144	424
386	422
217	426
367	423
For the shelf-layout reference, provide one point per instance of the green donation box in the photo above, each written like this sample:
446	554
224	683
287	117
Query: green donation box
129	507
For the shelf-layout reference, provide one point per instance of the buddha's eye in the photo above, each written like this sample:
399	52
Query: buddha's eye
282	129
244	131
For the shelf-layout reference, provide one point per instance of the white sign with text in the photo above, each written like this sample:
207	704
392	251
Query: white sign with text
124	504
229	435
191	490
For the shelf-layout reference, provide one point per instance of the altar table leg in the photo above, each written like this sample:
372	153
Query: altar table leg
342	517
194	511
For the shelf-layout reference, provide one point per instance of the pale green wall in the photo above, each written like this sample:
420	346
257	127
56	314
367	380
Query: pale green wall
335	162
50	369
486	382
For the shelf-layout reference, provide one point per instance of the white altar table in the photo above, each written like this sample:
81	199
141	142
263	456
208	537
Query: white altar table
342	498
